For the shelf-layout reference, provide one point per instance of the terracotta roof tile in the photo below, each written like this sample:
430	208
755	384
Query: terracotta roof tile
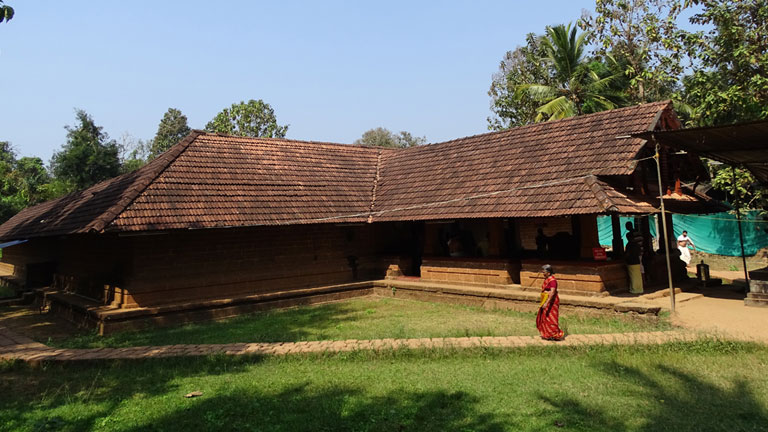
211	180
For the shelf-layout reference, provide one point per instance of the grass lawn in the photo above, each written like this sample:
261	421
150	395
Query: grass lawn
365	318
699	386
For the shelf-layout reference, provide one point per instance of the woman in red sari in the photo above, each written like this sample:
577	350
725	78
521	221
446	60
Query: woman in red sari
549	308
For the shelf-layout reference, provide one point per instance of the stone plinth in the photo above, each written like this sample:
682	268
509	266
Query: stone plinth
469	270
585	276
758	288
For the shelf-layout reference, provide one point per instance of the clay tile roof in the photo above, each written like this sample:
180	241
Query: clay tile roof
91	209
211	180
222	181
527	171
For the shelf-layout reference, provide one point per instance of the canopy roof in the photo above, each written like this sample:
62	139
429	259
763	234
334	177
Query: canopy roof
743	145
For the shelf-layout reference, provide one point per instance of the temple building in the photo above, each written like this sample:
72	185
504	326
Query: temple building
219	220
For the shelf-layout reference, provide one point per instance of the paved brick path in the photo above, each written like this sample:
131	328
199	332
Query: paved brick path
16	347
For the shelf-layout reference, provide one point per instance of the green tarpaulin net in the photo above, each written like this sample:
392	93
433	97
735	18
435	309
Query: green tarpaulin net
712	233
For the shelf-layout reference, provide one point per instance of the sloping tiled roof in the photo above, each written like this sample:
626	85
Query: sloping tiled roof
90	209
222	181
543	153
211	180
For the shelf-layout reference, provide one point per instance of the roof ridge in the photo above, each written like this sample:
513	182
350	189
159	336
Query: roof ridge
300	141
376	179
555	122
142	183
601	196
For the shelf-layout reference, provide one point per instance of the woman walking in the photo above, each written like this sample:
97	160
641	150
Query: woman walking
549	308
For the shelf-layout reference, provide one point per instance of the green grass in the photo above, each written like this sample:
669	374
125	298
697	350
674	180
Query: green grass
700	386
364	318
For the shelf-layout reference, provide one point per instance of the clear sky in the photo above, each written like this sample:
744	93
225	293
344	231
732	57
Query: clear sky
330	69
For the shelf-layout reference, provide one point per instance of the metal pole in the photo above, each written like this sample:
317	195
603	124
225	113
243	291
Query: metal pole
741	235
664	231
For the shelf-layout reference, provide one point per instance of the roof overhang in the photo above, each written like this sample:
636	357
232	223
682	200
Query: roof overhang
741	145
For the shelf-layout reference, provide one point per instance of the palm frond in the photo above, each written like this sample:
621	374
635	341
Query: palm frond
601	101
556	109
537	92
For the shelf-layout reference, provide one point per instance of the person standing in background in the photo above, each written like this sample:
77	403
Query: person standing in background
633	256
682	244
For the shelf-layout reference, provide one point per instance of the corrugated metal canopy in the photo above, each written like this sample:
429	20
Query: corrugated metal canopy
744	144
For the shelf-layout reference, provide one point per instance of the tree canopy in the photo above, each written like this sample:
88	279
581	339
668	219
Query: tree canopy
381	137
172	129
575	85
23	182
6	12
524	65
730	83
254	118
642	36
88	156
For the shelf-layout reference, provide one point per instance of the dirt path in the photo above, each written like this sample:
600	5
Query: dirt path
722	312
17	347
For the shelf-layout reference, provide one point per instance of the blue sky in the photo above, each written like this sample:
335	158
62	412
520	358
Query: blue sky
330	69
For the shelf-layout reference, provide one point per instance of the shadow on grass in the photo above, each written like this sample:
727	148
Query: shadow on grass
669	399
279	325
92	399
43	399
301	408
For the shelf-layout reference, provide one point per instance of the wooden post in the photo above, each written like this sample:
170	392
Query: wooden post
590	237
431	239
496	243
618	243
741	235
665	236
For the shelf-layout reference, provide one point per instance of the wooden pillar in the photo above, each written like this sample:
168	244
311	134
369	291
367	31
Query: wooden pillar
431	239
670	232
644	225
617	243
589	235
496	241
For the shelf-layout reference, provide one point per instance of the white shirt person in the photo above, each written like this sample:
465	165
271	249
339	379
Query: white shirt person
683	241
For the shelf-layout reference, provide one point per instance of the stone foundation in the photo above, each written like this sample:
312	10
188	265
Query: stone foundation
470	270
589	277
758	288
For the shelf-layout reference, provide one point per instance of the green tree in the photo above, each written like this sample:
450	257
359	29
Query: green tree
381	137
255	118
33	180
10	203
576	87
172	129
23	182
730	83
6	12
134	153
88	156
524	65
642	36
744	191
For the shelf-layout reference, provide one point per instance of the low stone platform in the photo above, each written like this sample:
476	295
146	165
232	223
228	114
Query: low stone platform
108	319
758	288
505	296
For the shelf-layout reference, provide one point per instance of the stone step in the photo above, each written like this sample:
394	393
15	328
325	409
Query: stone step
756	299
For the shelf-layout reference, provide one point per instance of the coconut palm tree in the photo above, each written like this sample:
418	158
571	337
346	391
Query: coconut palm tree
579	88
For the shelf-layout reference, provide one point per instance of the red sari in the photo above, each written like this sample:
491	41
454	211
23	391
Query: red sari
547	318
